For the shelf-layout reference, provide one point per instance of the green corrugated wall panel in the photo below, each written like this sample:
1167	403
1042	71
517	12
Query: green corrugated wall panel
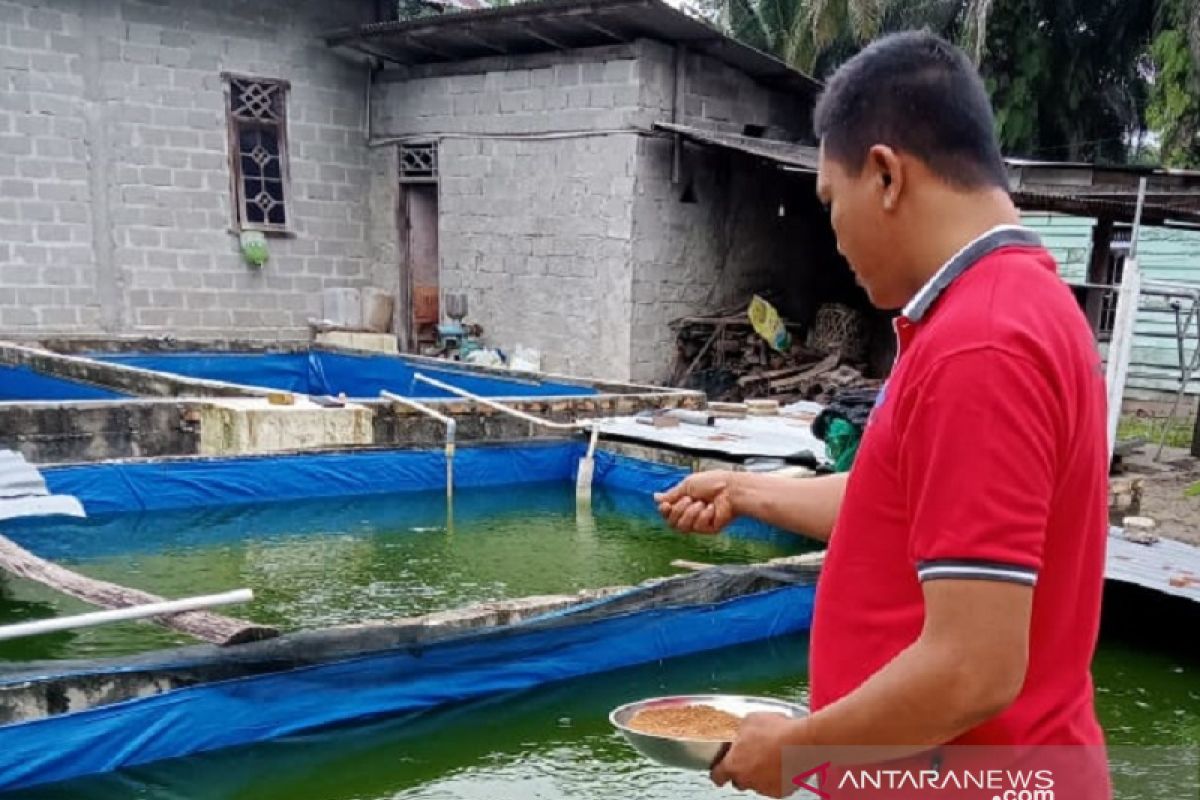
1069	239
1165	255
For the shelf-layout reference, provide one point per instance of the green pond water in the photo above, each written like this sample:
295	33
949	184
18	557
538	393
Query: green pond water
321	563
554	743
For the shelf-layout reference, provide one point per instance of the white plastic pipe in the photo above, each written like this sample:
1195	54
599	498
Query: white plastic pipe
1120	344
124	614
583	478
451	431
530	418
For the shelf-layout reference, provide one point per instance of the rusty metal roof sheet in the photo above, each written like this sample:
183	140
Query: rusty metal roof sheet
789	154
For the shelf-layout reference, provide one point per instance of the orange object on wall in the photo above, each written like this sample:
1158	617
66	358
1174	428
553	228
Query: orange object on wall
425	305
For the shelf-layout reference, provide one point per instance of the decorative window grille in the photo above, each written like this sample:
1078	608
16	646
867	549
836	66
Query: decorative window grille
257	118
419	163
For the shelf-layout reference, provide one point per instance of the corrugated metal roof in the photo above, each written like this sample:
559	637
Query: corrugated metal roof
1118	208
1101	190
23	492
1153	566
1130	169
548	25
799	156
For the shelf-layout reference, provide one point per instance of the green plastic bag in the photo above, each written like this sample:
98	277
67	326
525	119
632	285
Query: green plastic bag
841	443
254	248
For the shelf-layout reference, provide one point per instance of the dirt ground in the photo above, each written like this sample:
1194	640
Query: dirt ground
1163	498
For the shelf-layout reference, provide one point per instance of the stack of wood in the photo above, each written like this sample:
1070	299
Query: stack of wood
723	356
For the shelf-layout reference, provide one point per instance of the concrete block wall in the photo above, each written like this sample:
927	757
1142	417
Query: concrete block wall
536	231
715	95
694	257
579	246
115	204
730	242
538	236
590	89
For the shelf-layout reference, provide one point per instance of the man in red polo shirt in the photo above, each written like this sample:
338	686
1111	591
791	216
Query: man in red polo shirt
960	598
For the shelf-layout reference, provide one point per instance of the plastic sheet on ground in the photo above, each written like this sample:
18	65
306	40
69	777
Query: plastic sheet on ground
782	436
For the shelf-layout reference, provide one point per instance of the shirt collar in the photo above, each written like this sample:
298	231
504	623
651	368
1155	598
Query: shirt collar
971	252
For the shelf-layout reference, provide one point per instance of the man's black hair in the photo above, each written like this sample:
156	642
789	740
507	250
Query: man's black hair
918	94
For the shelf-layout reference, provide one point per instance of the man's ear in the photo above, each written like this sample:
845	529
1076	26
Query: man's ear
888	168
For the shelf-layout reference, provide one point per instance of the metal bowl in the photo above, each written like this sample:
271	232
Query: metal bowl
685	753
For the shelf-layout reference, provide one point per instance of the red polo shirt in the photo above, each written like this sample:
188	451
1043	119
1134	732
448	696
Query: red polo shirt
986	459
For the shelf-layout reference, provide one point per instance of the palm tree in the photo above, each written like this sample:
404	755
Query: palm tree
814	35
1070	79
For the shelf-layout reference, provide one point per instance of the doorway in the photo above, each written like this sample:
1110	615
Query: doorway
419	309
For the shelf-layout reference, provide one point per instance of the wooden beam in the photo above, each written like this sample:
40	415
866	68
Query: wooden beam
383	55
204	625
467	33
616	37
544	38
411	41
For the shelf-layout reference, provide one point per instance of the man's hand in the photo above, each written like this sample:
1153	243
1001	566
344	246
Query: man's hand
755	760
701	503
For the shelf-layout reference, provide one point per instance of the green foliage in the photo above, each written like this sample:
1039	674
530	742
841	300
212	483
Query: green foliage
1174	109
1151	429
415	9
1070	79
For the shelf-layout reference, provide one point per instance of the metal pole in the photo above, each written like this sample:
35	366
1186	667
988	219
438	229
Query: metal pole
124	614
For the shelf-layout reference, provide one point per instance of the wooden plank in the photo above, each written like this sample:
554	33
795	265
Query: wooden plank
204	625
827	364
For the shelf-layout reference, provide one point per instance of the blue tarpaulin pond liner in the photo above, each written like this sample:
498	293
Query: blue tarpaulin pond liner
319	372
204	698
22	384
116	487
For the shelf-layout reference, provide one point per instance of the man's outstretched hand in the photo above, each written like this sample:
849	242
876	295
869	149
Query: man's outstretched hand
701	503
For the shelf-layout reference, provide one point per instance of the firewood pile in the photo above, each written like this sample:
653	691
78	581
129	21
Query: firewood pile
724	357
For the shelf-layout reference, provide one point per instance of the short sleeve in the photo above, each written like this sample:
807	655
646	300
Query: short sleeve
977	462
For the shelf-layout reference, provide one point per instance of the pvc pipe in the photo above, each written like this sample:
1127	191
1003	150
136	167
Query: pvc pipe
124	614
1120	345
451	431
530	418
593	440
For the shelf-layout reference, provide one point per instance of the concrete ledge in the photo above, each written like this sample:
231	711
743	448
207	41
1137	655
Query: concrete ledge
251	426
132	380
58	433
359	341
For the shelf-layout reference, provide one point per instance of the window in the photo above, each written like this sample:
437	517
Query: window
418	163
257	115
